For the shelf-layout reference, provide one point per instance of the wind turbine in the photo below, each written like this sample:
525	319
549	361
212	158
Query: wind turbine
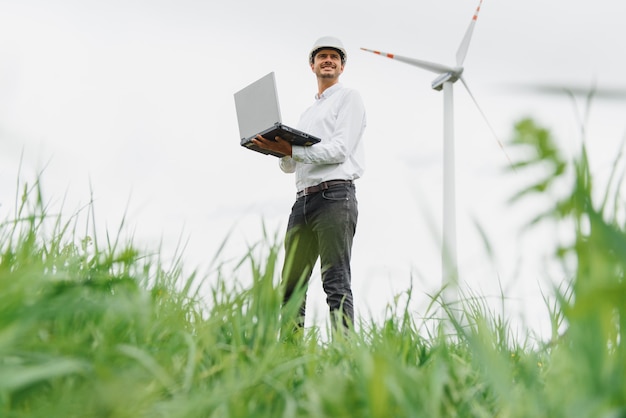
446	79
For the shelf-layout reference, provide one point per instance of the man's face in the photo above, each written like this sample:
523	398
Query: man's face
327	64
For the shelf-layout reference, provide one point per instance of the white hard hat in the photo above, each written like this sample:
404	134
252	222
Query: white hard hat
329	42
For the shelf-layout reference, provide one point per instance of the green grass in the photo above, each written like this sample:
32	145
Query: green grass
102	330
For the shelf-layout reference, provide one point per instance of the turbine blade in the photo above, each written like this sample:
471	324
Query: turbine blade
430	66
574	92
487	121
462	51
616	93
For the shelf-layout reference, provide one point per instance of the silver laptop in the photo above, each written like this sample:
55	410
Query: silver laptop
258	113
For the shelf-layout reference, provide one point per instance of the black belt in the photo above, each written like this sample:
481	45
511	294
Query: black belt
322	186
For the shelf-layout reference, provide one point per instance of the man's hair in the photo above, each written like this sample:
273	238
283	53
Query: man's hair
314	53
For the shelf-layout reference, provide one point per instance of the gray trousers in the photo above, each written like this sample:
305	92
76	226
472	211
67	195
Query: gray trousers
322	225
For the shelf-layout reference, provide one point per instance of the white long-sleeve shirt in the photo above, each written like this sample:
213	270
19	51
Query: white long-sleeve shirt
338	118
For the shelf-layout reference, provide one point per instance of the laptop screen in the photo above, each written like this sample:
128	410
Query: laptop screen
257	106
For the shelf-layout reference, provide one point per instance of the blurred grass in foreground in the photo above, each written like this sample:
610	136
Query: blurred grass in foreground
91	330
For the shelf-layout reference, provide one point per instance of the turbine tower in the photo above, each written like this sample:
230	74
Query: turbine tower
446	79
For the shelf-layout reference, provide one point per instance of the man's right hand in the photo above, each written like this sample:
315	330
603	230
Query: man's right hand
279	145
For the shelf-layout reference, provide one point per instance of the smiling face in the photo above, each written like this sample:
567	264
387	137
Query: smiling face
327	64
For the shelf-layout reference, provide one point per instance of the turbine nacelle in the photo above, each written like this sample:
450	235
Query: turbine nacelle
450	76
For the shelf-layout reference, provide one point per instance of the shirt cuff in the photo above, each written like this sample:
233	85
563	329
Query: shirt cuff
297	153
287	164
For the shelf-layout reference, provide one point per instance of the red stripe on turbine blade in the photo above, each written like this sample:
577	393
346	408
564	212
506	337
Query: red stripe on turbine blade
379	53
384	54
477	11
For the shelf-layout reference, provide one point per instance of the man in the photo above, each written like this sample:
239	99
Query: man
324	217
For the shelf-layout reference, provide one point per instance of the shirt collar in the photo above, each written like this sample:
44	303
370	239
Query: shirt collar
328	92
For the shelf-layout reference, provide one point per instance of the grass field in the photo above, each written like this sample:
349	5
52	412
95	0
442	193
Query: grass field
94	328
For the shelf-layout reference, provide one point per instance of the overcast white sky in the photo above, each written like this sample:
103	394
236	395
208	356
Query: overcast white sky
136	98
